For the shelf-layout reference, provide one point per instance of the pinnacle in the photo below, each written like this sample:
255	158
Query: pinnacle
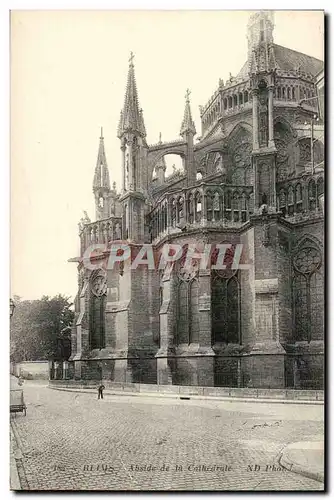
101	176
131	118
187	123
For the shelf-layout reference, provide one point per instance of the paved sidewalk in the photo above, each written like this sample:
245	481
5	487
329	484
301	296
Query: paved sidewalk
187	396
305	458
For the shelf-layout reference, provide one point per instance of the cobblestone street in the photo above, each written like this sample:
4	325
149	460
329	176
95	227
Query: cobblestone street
73	441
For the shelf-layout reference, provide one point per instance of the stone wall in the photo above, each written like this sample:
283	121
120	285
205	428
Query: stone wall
31	369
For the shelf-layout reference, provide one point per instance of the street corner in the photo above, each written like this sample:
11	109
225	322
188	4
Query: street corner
305	458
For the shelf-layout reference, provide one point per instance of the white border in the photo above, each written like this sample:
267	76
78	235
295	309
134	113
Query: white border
5	6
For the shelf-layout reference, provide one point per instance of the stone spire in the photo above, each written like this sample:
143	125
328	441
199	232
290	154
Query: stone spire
101	176
187	123
142	124
131	119
260	40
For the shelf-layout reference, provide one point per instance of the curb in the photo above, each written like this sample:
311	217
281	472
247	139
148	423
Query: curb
299	469
190	396
18	456
14	478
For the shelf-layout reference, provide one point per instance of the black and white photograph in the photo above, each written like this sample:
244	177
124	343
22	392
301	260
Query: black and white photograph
167	260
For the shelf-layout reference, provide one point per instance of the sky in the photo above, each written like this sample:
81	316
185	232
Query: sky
68	77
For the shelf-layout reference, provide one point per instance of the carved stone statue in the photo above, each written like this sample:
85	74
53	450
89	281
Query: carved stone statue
263	121
117	231
86	219
83	221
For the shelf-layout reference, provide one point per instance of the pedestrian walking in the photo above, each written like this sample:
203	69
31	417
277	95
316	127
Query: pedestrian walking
100	391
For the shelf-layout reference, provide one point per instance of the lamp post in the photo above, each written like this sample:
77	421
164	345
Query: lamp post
11	307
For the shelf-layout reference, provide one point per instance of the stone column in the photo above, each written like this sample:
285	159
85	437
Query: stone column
195	209
266	362
205	362
131	186
51	370
165	358
298	93
305	195
169	213
255	121
271	143
204	307
65	369
185	208
204	209
123	169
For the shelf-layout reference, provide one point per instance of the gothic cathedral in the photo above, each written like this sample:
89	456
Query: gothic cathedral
255	177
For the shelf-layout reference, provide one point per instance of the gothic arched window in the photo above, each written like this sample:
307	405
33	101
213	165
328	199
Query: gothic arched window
180	211
225	307
198	203
235	206
216	206
320	188
209	205
228	205
243	207
308	293
282	202
291	203
193	311
191	209
98	299
173	213
299	198
245	96
312	194
187	306
183	319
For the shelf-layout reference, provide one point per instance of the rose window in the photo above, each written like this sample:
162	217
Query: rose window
307	260
189	272
99	286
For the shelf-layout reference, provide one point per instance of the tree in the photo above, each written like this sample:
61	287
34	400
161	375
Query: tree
37	326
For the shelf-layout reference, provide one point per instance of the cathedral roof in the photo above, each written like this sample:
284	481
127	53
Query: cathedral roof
288	59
